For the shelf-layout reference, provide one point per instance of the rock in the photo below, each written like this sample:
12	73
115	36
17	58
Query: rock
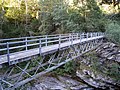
93	75
86	72
68	81
117	59
81	87
109	51
106	46
110	57
58	88
94	82
41	87
87	80
60	83
31	88
51	82
48	82
112	45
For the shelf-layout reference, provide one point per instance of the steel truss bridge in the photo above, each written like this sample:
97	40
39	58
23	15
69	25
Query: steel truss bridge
25	59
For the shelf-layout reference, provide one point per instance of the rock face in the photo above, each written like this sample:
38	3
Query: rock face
59	83
101	69
109	51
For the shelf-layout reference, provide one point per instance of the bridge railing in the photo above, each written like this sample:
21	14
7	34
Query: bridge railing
25	42
12	45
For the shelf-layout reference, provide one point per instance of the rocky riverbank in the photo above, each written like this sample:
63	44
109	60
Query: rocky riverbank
49	82
101	68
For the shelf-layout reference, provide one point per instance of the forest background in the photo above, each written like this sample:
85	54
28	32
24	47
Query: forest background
20	18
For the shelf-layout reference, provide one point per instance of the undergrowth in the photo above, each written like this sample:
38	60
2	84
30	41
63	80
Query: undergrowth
67	69
106	68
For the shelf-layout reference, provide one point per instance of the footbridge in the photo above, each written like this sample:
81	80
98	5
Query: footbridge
27	58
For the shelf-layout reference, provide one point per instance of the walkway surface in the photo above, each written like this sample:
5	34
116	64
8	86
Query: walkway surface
46	49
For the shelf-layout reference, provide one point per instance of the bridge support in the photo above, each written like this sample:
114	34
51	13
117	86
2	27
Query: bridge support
19	74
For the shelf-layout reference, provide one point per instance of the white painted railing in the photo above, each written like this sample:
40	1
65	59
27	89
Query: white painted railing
12	45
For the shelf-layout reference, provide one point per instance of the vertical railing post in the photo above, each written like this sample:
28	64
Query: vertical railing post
8	53
91	35
59	41
83	35
96	34
80	37
100	34
87	35
72	39
77	36
69	37
40	46
26	44
46	40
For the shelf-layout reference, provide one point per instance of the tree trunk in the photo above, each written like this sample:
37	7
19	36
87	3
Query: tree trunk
26	7
2	17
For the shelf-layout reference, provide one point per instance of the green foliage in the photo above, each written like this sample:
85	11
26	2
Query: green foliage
68	68
47	24
96	66
115	17
49	17
92	17
114	71
113	32
95	63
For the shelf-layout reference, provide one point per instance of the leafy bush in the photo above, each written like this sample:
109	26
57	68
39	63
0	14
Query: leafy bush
114	71
113	32
68	68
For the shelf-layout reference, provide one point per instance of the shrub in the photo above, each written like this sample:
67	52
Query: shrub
68	68
114	71
113	32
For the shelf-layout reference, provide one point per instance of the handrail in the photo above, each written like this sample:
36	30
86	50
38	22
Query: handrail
10	39
49	39
9	46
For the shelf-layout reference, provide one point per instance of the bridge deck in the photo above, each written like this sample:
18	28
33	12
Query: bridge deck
45	49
